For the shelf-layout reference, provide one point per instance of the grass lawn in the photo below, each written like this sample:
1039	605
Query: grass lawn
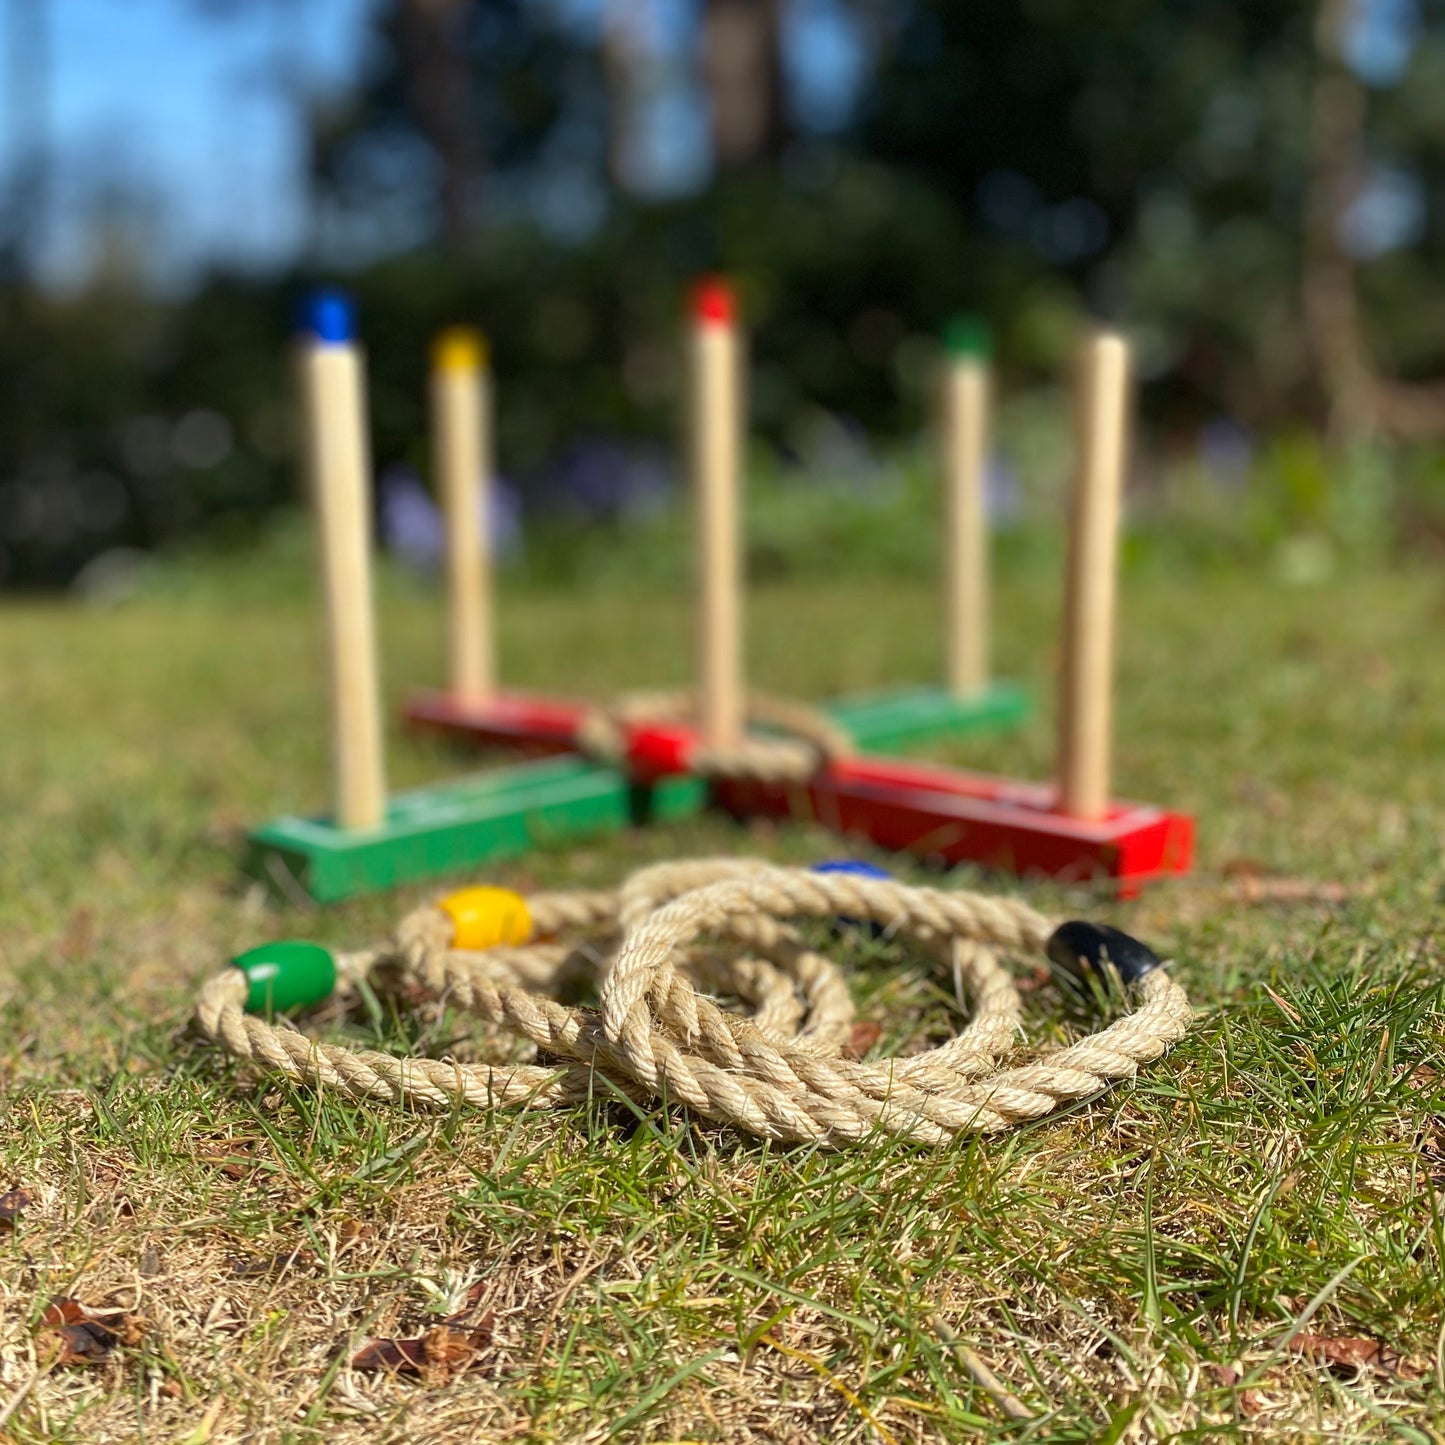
1200	1255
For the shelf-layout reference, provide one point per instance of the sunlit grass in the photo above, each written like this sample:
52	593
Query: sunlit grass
1131	1270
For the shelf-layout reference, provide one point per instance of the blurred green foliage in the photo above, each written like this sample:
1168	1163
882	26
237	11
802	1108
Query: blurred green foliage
1032	164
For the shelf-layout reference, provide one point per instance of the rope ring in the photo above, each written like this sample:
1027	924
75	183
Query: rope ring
777	1072
813	739
930	1097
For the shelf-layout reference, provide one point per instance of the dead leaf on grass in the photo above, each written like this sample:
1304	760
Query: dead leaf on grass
1283	1007
866	1033
253	1267
1293	890
470	1304
441	1354
1033	979
1250	1401
351	1230
13	1203
1254	883
1349	1354
76	1336
1244	867
233	1158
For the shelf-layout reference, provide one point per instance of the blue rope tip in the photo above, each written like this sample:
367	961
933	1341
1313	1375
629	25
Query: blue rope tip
858	869
327	314
856	866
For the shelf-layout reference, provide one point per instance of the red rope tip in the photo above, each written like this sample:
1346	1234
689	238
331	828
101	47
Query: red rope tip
712	301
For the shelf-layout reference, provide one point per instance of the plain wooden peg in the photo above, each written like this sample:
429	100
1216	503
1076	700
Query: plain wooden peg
1087	679
964	448
461	407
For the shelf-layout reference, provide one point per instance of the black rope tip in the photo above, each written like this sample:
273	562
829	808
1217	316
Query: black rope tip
1078	947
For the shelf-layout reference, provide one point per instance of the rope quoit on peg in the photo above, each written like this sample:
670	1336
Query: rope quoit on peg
801	739
664	948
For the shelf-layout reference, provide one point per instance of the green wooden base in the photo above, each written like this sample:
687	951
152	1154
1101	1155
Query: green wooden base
454	826
884	722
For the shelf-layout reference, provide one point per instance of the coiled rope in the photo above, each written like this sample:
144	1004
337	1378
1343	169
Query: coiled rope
675	936
812	738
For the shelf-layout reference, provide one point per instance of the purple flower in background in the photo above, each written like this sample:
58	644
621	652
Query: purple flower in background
1003	497
506	531
412	527
606	481
595	476
1227	451
835	447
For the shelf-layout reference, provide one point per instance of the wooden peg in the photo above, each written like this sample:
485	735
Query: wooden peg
338	468
1087	680
461	407
716	425
964	436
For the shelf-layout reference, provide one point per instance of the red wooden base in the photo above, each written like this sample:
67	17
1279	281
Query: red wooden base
545	725
944	814
537	725
951	816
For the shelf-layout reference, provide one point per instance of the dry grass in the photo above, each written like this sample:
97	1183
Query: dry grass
1162	1264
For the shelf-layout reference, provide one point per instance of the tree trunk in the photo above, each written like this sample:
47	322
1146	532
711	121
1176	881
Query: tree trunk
437	55
742	64
1360	399
1331	311
28	85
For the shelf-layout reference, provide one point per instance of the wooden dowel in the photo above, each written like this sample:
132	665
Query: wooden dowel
964	444
461	404
338	468
1087	678
716	423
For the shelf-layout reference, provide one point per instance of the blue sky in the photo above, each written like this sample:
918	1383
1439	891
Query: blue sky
177	102
155	92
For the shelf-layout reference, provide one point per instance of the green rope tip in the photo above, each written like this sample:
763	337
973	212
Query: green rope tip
967	338
286	974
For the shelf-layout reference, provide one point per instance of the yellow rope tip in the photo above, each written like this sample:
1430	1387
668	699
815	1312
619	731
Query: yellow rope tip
488	918
460	348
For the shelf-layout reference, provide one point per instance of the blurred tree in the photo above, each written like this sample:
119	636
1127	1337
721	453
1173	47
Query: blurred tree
1203	170
1251	189
452	90
1362	397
